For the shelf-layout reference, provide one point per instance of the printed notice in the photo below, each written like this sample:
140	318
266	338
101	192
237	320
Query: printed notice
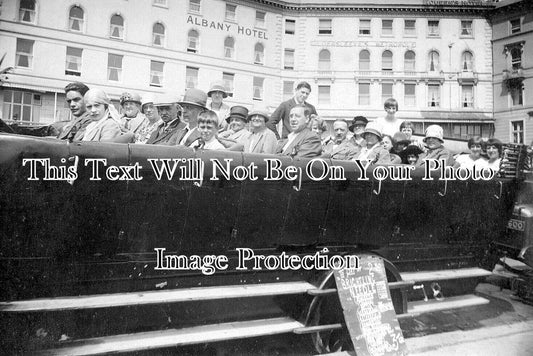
368	310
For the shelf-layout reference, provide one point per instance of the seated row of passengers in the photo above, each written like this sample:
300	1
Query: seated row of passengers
166	120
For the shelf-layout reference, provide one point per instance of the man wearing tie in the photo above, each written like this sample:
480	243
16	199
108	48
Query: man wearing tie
193	104
301	142
168	131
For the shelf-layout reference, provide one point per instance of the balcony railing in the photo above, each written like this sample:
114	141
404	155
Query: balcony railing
407	74
325	74
467	77
513	74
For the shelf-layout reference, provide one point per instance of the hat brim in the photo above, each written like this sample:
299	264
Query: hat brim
191	103
245	119
438	138
373	133
259	113
130	101
224	94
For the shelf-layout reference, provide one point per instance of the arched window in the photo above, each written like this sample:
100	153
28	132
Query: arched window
324	60
27	11
434	64
229	47
116	28
259	54
76	19
364	60
409	61
193	41
386	60
467	62
158	38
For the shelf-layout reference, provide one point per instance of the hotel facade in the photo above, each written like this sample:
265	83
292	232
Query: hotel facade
434	57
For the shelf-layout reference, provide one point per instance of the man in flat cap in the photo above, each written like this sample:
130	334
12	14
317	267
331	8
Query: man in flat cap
169	111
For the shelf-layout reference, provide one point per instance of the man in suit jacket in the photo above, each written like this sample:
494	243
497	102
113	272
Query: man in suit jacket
301	142
193	104
340	147
303	89
169	112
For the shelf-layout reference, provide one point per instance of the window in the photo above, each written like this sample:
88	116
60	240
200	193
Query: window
467	96
433	61
194	6
515	25
227	79
433	28
289	59
466	28
116	28
324	27
516	57
230	12
409	90
260	19
156	73
76	19
324	94
73	62
364	93
467	63
21	106
386	91
290	27
158	37
259	53
288	87
193	41
114	67
324	60
364	27
433	95
409	61
364	60
409	28
517	131
386	60
517	94
229	47
191	77
160	3
258	88
24	56
386	27
27	11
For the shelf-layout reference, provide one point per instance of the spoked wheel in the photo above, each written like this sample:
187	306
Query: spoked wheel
327	310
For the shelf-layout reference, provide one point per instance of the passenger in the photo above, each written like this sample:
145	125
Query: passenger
389	123
218	93
494	149
340	147
261	140
105	125
358	127
373	151
473	159
74	130
408	129
303	89
152	122
319	125
207	129
193	104
410	154
170	126
301	142
389	144
132	118
237	132
435	149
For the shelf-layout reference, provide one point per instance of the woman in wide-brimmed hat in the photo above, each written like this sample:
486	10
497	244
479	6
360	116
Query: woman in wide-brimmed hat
373	151
237	133
218	93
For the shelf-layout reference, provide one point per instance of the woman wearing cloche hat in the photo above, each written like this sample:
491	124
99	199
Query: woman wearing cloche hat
262	139
373	151
218	93
434	141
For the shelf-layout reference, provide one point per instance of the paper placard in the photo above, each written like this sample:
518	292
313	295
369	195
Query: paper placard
368	309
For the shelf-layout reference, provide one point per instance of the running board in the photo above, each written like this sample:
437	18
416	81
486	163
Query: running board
156	297
440	275
433	305
176	337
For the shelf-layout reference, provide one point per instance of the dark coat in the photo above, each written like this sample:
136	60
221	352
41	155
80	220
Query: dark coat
282	113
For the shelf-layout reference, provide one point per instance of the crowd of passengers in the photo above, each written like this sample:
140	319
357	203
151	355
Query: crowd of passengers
193	122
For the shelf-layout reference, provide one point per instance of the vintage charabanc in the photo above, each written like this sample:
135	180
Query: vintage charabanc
79	257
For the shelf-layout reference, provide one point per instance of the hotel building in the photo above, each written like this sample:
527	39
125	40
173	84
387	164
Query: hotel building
433	56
